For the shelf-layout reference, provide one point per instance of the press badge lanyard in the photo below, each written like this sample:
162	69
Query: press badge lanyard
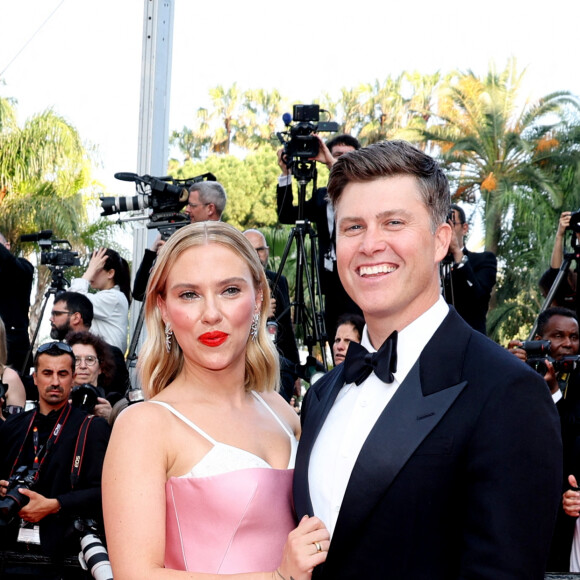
41	452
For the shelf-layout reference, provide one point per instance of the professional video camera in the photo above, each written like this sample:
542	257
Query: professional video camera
93	555
300	143
14	501
53	257
165	196
537	352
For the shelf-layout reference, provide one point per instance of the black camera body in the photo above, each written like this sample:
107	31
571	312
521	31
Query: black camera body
14	501
575	222
51	254
84	397
299	141
537	352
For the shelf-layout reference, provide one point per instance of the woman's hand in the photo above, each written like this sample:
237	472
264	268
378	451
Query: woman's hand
571	499
306	547
96	264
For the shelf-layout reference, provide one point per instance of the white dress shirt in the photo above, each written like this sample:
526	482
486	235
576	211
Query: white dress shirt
354	414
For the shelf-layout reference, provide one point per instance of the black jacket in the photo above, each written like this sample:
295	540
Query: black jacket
54	480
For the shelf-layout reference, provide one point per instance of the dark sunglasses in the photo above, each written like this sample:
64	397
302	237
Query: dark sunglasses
55	346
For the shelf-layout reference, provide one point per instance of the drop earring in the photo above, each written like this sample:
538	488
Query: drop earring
254	327
168	336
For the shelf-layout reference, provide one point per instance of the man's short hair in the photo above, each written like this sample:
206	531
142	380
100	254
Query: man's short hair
460	211
55	348
343	139
545	316
77	302
391	159
211	192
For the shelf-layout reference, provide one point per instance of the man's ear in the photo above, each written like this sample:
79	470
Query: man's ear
76	319
442	239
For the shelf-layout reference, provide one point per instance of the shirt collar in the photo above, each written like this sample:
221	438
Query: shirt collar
412	339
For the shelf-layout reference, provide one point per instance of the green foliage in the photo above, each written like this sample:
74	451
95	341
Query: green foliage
250	184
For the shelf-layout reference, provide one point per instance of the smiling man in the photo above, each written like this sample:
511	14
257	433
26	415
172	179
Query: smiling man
423	460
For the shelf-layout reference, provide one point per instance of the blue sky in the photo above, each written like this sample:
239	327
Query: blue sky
85	61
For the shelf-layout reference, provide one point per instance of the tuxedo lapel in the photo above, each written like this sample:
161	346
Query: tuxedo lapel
418	405
320	400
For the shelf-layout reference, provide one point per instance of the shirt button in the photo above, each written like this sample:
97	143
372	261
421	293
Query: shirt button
363	403
336	508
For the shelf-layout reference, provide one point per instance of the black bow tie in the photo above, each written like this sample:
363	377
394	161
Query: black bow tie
359	363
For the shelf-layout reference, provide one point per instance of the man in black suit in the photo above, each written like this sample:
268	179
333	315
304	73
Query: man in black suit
67	465
470	276
320	213
450	465
15	287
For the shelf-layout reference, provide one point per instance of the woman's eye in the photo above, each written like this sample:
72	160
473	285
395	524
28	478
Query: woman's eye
232	291
188	295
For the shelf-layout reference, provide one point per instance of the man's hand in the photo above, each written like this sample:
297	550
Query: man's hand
38	507
282	162
3	487
324	154
157	244
551	378
103	408
563	223
514	347
272	310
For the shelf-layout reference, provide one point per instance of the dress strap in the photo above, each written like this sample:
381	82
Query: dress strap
185	420
290	433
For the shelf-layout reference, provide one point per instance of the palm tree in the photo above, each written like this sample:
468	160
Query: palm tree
44	169
492	146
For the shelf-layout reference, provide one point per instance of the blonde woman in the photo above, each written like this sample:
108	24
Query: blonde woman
199	477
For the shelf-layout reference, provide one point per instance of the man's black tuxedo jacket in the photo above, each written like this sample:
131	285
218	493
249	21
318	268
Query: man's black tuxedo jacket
468	288
460	476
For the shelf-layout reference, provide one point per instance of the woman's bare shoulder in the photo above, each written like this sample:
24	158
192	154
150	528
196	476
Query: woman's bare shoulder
283	409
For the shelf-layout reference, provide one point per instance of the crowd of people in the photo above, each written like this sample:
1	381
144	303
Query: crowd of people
418	455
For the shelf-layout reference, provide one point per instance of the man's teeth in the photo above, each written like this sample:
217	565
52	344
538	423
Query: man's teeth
381	269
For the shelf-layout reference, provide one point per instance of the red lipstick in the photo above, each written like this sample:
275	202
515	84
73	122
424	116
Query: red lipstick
214	338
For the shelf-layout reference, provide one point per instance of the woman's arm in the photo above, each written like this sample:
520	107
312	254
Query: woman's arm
16	393
138	460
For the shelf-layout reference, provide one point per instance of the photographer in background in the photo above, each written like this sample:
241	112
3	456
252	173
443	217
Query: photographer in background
566	292
318	211
468	281
560	327
206	202
44	442
109	274
72	312
16	275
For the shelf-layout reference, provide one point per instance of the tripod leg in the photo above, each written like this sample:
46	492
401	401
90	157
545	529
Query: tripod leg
132	356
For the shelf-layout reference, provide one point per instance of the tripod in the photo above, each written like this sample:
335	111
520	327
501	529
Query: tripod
562	275
306	316
58	283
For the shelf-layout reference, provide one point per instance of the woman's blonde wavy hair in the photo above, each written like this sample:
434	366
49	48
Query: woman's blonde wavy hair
157	367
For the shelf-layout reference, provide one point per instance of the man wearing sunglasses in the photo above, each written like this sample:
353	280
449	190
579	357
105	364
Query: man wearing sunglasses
47	442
